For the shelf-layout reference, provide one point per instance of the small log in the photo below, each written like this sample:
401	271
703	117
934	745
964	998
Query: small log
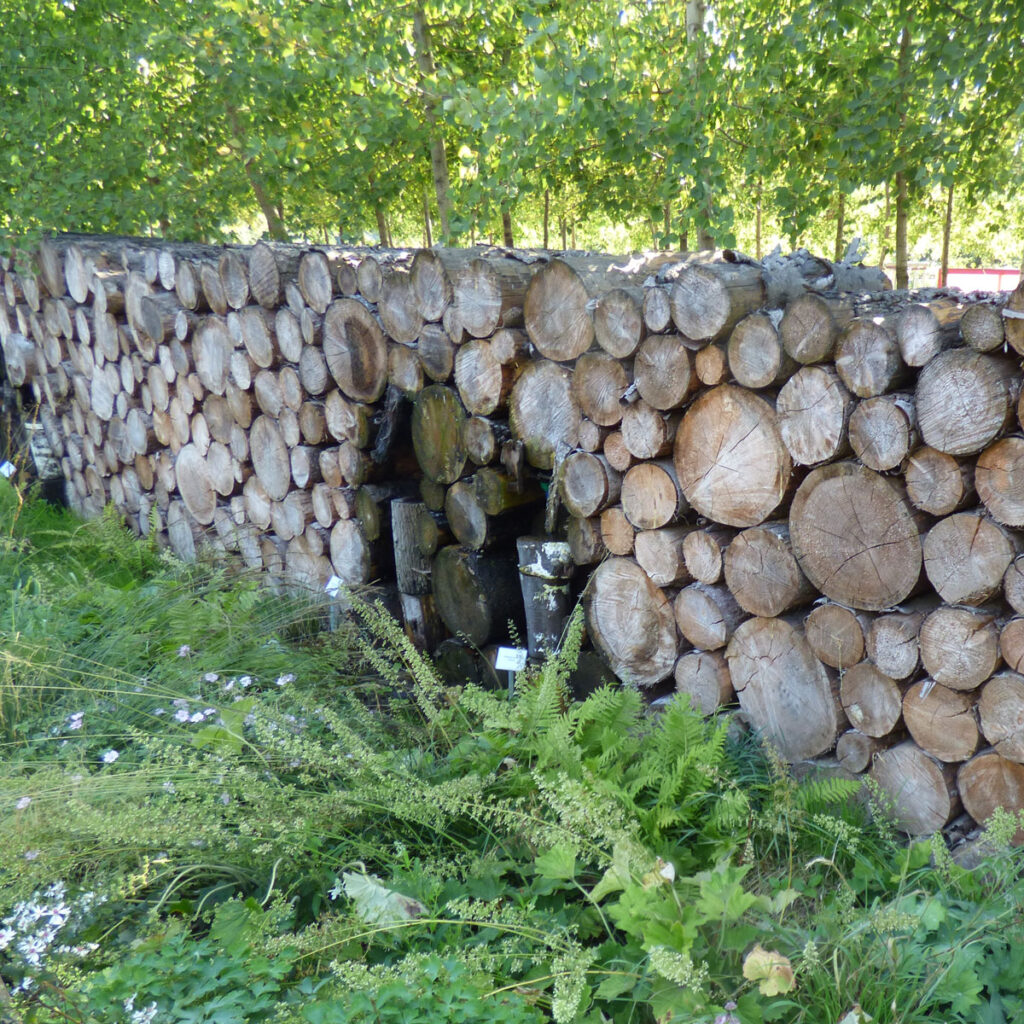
922	790
755	353
1001	714
703	678
763	574
872	700
647	432
659	553
811	326
598	383
651	495
856	752
234	279
431	275
657	310
619	457
1011	643
923	330
490	294
989	781
786	693
499	492
1013	326
965	399
619	321
730	435
617	532
459	664
211	352
586	545
1013	585
588	484
892	639
841	516
704	551
711	365
483	438
315	281
836	634
476	594
194	484
484	384
631	622
370	278
959	646
421	621
981	327
938	483
435	351
473	527
707	616
966	556
941	721
405	371
545	568
351	555
883	430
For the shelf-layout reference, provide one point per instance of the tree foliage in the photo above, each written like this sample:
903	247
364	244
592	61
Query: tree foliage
354	119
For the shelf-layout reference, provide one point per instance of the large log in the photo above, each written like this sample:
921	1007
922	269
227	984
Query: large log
476	594
959	646
921	789
730	459
355	350
491	293
999	478
966	556
1001	714
631	622
965	399
855	537
941	720
787	694
762	573
923	330
437	419
988	782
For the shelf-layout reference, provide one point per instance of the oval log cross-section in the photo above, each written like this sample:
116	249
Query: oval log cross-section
730	458
543	412
783	688
920	789
855	537
631	622
355	350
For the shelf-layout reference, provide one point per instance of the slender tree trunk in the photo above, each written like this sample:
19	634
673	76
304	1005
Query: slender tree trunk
573	234
561	226
757	225
684	238
840	225
696	11
506	229
427	238
902	202
272	212
947	226
438	156
547	214
654	231
668	226
883	235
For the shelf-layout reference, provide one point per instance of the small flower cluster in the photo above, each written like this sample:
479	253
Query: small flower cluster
30	932
183	714
143	1016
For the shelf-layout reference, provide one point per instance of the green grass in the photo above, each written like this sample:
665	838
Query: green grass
211	809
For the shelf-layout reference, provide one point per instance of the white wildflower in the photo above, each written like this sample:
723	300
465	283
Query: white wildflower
211	677
184	651
110	757
23	803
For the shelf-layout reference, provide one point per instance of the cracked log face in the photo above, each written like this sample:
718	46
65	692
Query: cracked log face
730	457
855	537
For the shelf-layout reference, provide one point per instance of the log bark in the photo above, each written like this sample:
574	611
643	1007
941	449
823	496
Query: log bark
543	412
762	572
873	701
703	678
476	594
855	537
729	435
965	399
959	646
966	556
631	622
938	483
545	568
941	721
787	694
922	790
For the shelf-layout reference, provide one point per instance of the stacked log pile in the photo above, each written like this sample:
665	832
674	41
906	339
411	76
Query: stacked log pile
775	482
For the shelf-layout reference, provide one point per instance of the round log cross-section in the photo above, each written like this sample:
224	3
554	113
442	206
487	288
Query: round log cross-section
855	537
355	350
730	458
631	622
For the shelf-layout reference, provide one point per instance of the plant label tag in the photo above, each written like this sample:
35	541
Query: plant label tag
510	659
8	469
333	585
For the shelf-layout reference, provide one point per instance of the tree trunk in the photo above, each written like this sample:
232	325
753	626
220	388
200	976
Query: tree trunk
506	229
840	226
435	121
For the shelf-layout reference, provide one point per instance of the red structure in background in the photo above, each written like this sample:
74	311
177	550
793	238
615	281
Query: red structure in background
984	279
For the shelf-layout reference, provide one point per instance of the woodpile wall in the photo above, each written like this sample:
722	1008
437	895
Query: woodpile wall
775	482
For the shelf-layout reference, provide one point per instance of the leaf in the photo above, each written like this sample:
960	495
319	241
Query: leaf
376	904
558	862
856	1016
771	970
